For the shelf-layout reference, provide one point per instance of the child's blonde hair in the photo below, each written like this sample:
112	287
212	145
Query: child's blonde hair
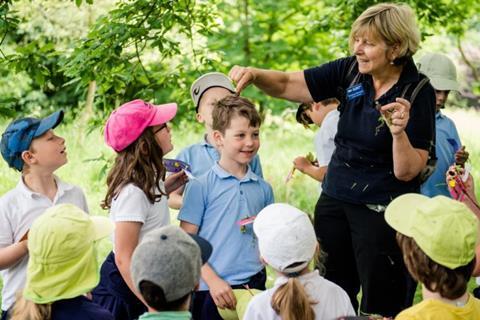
28	310
290	301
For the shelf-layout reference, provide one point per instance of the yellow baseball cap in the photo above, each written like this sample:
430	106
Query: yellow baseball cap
243	297
445	229
62	262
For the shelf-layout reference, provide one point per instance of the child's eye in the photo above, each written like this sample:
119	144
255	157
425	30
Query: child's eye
241	135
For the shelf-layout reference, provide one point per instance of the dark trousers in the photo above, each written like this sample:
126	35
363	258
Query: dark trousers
362	252
113	293
204	308
4	315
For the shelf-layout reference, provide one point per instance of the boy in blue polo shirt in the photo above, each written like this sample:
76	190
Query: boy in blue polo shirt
443	77
219	205
205	92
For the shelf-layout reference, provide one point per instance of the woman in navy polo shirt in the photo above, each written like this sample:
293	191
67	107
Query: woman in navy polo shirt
375	159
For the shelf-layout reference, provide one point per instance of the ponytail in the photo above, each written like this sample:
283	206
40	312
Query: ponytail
28	310
291	302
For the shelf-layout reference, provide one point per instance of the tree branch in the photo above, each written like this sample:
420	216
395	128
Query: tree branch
466	60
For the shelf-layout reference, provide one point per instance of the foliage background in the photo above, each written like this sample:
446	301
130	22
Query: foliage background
88	57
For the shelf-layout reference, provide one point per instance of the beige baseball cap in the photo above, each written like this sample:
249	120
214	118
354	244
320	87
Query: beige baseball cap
441	71
207	81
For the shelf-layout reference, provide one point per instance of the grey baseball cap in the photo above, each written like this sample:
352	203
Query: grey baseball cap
441	71
170	258
207	81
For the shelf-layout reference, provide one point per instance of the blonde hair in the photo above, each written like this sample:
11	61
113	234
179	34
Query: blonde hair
393	23
290	301
28	310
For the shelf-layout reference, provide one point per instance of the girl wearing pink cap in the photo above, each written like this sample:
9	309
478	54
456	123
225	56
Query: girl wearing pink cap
136	196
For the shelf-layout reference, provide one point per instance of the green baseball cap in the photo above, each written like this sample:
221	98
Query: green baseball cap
63	262
243	297
445	229
441	71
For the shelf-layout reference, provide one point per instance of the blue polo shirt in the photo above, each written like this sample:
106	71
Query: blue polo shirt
215	202
447	143
79	308
202	156
361	169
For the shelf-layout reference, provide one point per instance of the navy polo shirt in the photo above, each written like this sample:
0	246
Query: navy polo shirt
79	308
361	168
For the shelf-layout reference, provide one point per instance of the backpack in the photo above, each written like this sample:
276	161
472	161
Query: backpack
409	92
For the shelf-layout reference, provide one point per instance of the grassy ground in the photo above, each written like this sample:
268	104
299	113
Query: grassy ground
281	141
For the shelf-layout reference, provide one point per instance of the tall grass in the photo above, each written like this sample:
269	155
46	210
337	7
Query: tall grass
281	141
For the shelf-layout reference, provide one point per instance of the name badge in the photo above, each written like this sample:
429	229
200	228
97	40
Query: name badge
355	91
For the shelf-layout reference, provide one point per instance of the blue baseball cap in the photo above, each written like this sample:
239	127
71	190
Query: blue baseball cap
19	135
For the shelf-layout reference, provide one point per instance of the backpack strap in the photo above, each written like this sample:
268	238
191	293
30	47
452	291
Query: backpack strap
351	78
415	91
432	156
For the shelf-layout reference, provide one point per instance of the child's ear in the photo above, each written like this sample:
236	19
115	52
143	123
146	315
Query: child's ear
28	157
316	106
218	138
199	118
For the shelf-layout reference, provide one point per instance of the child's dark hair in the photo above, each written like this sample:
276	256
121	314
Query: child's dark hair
230	106
449	283
141	164
302	116
155	297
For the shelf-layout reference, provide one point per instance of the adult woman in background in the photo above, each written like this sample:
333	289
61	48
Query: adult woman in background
382	145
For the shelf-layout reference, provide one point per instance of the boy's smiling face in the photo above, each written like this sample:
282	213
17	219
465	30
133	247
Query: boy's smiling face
209	98
240	141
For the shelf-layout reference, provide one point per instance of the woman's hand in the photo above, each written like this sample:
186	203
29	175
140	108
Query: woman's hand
397	115
242	76
175	181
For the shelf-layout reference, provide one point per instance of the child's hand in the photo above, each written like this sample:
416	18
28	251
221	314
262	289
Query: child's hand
175	181
301	163
222	294
461	156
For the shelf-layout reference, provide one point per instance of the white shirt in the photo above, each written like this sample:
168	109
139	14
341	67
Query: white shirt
131	204
332	301
19	207
324	139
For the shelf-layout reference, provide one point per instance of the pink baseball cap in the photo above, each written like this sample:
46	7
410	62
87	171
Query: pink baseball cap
128	122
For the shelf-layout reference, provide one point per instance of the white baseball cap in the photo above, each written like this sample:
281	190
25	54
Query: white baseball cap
207	81
286	238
